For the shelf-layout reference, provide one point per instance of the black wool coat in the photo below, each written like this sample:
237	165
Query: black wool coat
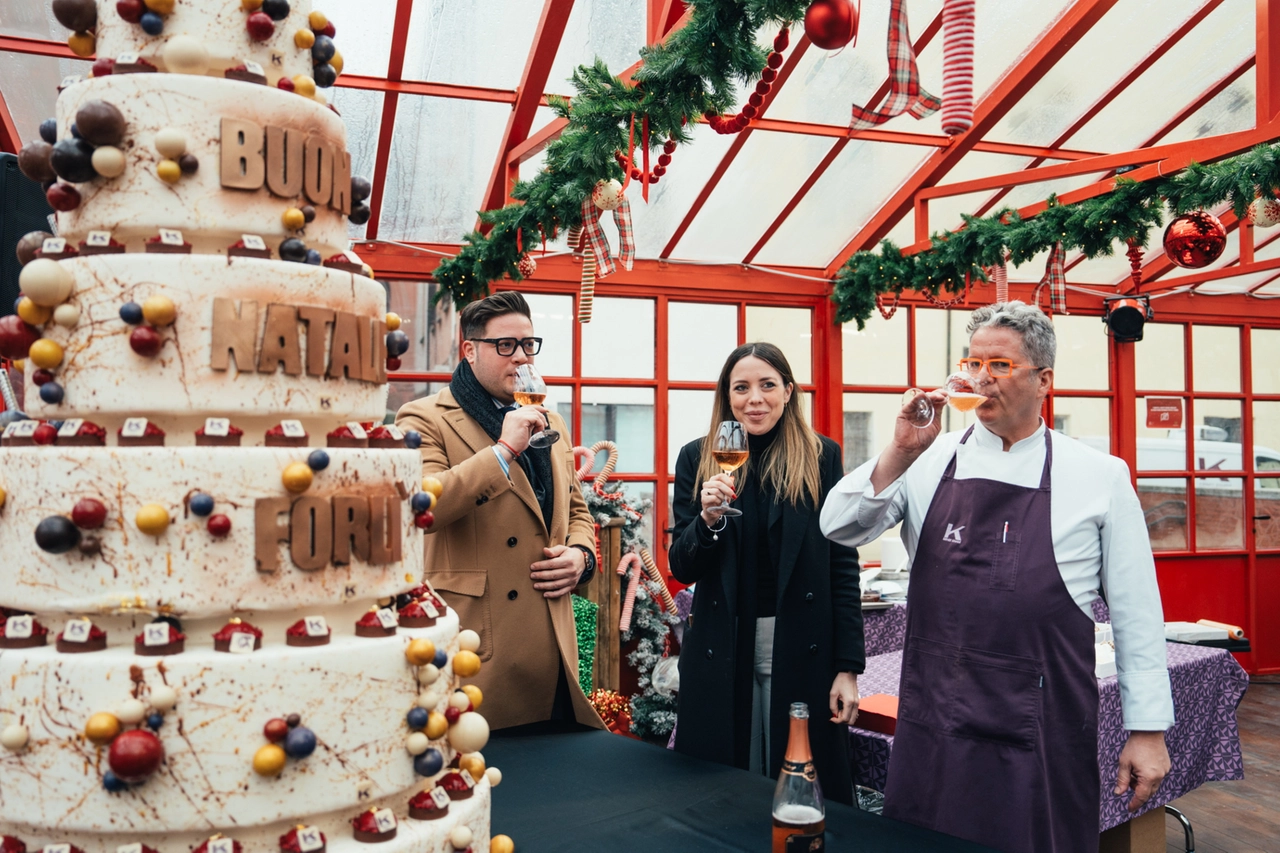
818	631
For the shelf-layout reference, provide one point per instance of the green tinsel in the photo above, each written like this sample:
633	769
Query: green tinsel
1093	227
693	72
584	619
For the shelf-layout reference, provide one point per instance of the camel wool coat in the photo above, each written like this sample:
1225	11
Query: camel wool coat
488	530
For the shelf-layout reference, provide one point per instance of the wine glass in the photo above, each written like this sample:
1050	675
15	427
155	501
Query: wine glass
962	396
729	451
531	390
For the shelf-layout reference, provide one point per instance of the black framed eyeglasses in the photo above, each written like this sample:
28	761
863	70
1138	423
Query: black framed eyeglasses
507	346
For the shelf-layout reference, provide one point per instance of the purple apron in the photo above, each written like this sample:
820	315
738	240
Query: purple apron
997	737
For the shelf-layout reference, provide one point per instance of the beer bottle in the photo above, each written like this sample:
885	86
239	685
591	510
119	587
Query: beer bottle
799	819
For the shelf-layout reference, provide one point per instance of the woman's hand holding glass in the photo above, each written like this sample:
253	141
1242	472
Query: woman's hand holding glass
715	494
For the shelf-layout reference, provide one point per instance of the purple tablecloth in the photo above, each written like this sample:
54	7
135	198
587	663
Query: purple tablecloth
885	630
1204	744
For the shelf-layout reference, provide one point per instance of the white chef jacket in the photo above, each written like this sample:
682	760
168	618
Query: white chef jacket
1099	539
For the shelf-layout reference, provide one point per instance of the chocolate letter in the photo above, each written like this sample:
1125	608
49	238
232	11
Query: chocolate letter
317	182
235	331
375	355
384	530
341	200
284	161
268	531
350	529
317	336
344	354
280	342
311	533
242	166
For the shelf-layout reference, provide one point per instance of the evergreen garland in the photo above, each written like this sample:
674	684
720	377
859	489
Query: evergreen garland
690	74
653	713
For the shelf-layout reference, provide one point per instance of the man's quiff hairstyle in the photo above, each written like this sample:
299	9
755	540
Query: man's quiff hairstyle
475	318
1038	338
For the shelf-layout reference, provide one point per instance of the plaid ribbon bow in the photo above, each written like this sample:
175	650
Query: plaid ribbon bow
1055	278
596	261
905	92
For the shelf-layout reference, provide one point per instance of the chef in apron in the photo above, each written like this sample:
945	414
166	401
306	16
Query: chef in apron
1013	531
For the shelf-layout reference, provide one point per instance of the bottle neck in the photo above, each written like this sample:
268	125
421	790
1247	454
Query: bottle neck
798	742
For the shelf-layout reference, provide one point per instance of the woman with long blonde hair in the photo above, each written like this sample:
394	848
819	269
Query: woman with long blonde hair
770	587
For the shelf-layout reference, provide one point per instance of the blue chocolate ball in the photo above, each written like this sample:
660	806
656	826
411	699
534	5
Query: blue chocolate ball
428	763
293	249
412	439
397	343
417	718
359	214
114	783
151	23
322	49
57	534
318	460
131	313
299	742
49	130
155	720
276	10
324	74
201	504
313	257
51	393
441	659
421	502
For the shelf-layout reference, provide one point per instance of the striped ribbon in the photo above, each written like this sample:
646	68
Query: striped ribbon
1055	278
999	273
905	91
957	66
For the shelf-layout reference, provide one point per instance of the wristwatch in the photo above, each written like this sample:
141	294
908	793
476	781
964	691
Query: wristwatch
590	570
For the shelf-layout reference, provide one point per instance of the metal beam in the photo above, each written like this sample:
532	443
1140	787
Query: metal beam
428	89
533	82
10	141
1268	52
1052	45
395	70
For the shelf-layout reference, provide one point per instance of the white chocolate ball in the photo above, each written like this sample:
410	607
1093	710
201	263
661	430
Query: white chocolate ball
45	282
163	697
429	699
14	737
185	55
131	712
494	775
470	733
171	142
428	674
607	195
468	641
417	743
67	315
459	700
461	837
108	161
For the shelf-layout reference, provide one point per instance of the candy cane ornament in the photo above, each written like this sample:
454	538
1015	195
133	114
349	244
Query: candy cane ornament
629	561
957	66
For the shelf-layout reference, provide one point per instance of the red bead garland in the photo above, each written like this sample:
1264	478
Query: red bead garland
664	160
738	123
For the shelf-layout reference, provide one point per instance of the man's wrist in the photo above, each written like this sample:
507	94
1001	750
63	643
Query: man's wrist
588	563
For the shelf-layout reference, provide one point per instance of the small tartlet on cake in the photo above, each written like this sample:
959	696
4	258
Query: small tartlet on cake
153	436
456	786
369	625
39	637
239	250
364	827
177	642
343	437
68	251
414	615
236	846
113	247
222	639
275	437
423	807
231	439
289	842
87	435
297	635
96	642
381	436
154	245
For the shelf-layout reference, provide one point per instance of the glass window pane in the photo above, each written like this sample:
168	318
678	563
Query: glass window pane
1164	503
553	322
789	329
1215	358
1266	462
1265	361
399	393
941	341
688	417
1162	448
606	351
1085	418
625	417
1219	432
1219	514
868	425
560	400
1082	354
877	355
432	327
1158	358
700	337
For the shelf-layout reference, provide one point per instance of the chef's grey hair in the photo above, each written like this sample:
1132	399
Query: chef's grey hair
1038	339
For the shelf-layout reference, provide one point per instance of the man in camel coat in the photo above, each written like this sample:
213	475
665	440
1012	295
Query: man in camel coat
512	534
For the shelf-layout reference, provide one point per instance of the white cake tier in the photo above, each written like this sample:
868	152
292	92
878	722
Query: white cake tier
101	374
135	205
220	29
353	694
186	570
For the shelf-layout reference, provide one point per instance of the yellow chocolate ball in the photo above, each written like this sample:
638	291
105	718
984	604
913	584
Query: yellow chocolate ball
304	39
466	664
169	171
502	844
293	219
473	763
437	725
317	20
432	485
297	477
36	315
102	728
45	353
269	760
251	5
82	44
160	7
3	495
474	694
393	321
20	365
420	652
159	310
368	271
152	519
336	62
304	85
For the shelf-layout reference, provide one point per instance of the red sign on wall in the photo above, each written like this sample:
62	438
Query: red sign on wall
1164	413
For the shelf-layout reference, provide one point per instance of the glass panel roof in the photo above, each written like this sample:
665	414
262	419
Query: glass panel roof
33	101
612	30
472	42
364	33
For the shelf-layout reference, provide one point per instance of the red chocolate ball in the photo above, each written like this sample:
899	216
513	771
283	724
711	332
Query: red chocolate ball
451	714
260	26
145	341
89	513
219	525
16	336
45	434
130	10
135	755
63	197
41	377
275	730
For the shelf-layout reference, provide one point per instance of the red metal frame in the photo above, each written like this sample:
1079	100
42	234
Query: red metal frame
10	141
395	70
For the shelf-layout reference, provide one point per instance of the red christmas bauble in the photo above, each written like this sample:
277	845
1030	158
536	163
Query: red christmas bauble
527	266
275	730
145	341
135	755
16	336
1195	240
89	513
219	525
831	24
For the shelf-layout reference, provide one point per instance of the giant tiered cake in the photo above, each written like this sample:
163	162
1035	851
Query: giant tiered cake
213	636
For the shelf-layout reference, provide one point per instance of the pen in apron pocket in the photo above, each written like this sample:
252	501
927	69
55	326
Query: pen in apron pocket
1005	538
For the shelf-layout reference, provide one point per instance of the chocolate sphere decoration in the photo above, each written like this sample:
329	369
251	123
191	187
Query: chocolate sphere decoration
130	10
337	61
169	171
46	282
49	130
412	439
437	725
260	26
108	161
359	214
461	837
831	24
152	519
470	733
428	674
188	164
304	85
89	513
278	10
41	376
324	75
275	729
285	84
473	763
422	501
152	24
328	30
460	701
297	477
269	760
81	15
113	783
393	364
441	659
317	460
90	546
219	525
52	394
417	743
423	520
293	249
468	640
135	755
160	7
82	44
28	244
14	738
47	434
397	343
145	341
1195	240
317	20
62	197
428	763
299	742
101	123
322	49
361	189
313	257
417	718
36	315
102	728
155	720
159	310
171	142
34	161
293	721
293	218
163	697
72	160
420	652
16	337
201	504
45	353
392	321
131	313
131	712
501	843
66	315
473	694
303	39
466	664
185	55
308	213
